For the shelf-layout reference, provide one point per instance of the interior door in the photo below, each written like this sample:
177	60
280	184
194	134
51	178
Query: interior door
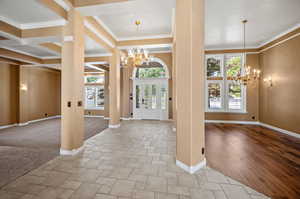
150	100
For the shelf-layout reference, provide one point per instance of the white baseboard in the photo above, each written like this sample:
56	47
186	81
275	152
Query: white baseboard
8	126
191	169
114	126
94	116
232	122
126	118
73	152
280	130
106	118
174	129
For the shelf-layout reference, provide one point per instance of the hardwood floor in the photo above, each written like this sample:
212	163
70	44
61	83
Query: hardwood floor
263	159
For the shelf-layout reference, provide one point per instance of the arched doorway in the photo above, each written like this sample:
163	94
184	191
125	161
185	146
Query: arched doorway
150	91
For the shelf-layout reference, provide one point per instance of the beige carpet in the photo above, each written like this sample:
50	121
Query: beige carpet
25	148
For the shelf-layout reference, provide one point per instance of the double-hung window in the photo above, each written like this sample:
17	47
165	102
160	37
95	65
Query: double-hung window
94	92
223	94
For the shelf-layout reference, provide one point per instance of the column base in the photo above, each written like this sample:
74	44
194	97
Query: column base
73	152
114	126
191	169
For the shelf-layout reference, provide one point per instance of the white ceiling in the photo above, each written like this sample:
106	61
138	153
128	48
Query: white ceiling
155	15
26	11
267	18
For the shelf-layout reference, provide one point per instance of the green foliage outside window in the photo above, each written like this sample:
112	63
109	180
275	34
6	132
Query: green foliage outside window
92	79
156	72
233	66
235	91
213	67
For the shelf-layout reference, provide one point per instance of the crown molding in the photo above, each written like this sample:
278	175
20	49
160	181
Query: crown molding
279	35
21	52
63	4
10	22
45	24
161	36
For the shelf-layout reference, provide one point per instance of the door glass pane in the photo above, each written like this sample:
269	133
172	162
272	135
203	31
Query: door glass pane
147	101
100	97
90	97
137	96
235	93
233	65
214	96
213	66
163	98
154	98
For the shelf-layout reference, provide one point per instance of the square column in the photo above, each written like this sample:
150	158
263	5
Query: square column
114	89
106	95
190	84
72	102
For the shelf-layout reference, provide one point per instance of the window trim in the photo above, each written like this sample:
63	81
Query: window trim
224	83
95	107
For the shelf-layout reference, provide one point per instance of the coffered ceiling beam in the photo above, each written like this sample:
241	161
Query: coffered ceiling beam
97	39
106	36
81	3
86	60
42	32
19	57
51	46
102	66
56	8
9	61
145	42
9	29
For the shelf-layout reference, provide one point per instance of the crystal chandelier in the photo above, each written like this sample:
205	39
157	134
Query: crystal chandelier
136	56
249	73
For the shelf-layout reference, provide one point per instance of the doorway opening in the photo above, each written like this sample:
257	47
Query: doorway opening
150	91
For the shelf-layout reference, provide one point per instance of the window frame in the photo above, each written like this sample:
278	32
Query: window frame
224	82
86	107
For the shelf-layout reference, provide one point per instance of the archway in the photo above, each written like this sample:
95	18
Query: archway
150	91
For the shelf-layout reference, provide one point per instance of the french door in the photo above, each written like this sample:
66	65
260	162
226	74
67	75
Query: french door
150	99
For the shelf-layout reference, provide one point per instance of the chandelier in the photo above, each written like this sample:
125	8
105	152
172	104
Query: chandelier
250	74
136	56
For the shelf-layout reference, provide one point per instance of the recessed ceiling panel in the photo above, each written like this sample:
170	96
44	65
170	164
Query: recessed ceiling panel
92	47
26	11
33	50
155	17
266	19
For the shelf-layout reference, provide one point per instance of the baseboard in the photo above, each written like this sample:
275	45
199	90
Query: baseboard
294	134
94	116
232	122
106	118
114	126
191	169
126	118
73	152
8	126
174	129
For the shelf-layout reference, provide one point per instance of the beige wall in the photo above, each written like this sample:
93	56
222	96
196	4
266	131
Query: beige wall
252	99
42	95
44	92
279	105
8	94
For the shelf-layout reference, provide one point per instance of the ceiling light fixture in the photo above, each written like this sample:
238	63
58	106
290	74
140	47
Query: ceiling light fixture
136	56
249	74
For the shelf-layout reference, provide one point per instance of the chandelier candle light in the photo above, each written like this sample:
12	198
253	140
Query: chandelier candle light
136	56
249	75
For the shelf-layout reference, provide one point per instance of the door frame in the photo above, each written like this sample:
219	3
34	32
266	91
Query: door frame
165	80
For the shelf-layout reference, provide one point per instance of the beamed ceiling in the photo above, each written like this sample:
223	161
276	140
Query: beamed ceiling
33	27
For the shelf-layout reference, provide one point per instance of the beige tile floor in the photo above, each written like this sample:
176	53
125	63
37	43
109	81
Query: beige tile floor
135	161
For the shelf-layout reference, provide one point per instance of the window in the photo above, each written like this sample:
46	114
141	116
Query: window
153	72
94	79
94	97
222	93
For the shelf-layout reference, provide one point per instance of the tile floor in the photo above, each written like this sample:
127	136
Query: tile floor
135	161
